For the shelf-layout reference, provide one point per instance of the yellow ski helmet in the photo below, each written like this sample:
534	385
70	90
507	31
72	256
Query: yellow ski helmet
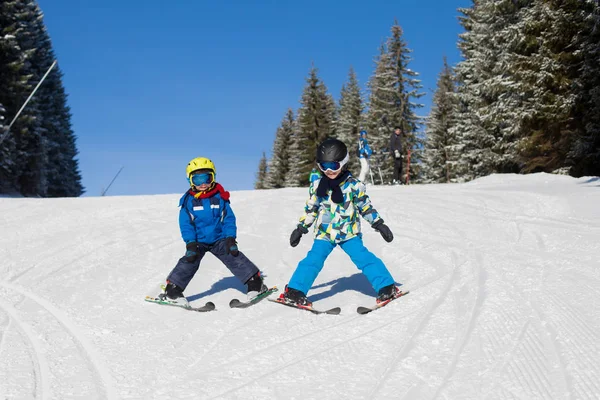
199	163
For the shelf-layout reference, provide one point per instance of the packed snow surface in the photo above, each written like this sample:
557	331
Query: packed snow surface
503	273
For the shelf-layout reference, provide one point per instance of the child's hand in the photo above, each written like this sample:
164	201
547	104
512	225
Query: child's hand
297	235
383	229
192	252
231	246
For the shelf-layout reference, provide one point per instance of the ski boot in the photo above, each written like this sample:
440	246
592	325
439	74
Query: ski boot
173	294
387	292
255	286
294	296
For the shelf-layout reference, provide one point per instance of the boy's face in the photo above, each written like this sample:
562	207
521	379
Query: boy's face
332	174
202	187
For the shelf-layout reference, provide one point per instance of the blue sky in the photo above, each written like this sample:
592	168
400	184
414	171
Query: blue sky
155	83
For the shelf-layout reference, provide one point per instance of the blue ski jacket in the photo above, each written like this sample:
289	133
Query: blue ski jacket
206	220
364	151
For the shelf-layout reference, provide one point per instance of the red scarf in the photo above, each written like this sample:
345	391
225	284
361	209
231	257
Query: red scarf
211	192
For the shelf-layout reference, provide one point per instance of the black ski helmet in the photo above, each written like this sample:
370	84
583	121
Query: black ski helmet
332	150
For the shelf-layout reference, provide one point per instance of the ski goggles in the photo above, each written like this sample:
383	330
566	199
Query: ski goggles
333	166
202	179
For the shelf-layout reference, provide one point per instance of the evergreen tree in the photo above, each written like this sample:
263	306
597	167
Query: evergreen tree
381	103
441	150
14	89
315	122
261	175
279	165
31	137
586	149
40	153
548	63
489	98
407	93
394	92
350	117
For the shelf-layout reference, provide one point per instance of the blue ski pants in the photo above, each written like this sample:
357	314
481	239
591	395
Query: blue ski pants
240	266
371	266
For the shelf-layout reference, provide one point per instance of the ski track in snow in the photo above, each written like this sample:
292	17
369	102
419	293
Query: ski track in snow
100	376
502	272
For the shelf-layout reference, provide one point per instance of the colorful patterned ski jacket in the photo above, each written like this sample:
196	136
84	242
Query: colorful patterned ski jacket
338	222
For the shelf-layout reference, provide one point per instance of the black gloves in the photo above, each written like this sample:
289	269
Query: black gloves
231	246
297	234
383	229
191	254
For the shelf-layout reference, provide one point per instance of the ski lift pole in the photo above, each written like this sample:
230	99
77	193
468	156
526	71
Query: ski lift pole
408	168
26	101
111	182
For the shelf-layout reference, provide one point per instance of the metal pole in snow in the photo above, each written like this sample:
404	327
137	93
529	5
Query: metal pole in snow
111	182
26	101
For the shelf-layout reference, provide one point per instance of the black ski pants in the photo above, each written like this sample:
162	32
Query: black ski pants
397	169
240	266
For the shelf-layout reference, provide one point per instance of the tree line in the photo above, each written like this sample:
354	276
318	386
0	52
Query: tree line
38	154
524	98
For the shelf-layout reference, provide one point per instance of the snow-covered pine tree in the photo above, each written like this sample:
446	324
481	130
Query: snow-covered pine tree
314	123
381	104
490	104
279	164
64	178
549	63
586	150
11	86
441	153
261	175
407	92
394	91
24	149
350	118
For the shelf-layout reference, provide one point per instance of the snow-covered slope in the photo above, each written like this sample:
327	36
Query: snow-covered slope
503	273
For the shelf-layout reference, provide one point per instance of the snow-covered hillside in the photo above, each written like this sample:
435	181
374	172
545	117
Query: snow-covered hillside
503	272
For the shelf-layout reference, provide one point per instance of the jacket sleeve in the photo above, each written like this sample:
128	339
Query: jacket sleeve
363	203
186	221
311	209
368	150
228	218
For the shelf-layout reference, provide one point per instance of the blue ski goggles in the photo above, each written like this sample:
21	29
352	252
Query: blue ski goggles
333	166
202	179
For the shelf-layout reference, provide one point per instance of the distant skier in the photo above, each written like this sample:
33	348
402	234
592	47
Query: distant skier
334	204
207	224
396	152
364	153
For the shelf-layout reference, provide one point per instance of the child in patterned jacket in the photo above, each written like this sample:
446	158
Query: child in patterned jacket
335	203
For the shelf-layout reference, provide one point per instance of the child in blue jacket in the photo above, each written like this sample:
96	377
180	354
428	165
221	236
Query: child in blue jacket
207	224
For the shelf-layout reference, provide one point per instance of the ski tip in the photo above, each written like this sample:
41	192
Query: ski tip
363	310
234	303
334	311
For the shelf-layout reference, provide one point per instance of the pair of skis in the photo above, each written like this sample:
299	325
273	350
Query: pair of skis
336	310
209	306
236	303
